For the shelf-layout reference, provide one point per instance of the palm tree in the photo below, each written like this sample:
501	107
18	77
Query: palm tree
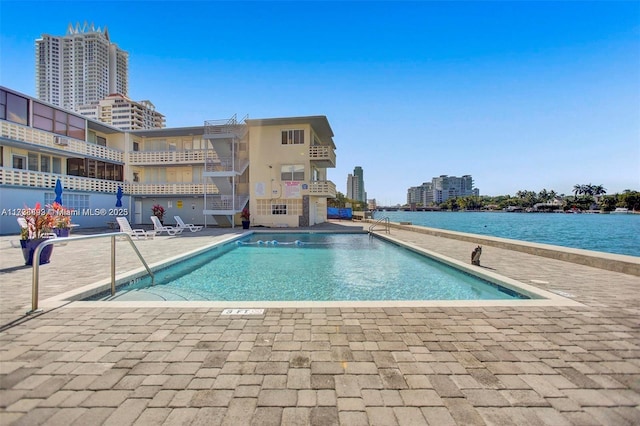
577	189
598	190
543	195
588	189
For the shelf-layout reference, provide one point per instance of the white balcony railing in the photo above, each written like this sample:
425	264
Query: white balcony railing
27	178
197	156
169	188
323	188
74	147
322	153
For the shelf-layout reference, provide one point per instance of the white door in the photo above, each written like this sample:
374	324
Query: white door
313	212
138	212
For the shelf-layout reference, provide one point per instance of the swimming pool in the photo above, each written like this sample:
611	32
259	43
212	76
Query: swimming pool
311	267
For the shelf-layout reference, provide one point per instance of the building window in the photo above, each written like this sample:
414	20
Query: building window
289	207
101	141
19	162
13	108
94	169
292	137
42	117
292	172
77	202
75	167
57	165
45	163
32	161
278	209
136	146
57	121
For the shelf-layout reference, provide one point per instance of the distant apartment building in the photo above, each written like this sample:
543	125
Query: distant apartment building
355	185
440	189
84	71
79	68
123	113
206	174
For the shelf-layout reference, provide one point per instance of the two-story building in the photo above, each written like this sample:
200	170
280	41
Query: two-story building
206	174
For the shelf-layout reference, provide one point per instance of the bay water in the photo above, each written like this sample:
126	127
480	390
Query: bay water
610	233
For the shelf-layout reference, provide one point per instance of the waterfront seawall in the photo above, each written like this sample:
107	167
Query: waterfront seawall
607	261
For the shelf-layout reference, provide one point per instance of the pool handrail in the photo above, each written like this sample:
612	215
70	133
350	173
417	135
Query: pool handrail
36	261
384	221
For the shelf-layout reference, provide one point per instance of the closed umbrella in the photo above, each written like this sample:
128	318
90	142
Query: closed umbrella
58	192
119	197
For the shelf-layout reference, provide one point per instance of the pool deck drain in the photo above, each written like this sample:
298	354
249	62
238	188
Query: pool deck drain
555	365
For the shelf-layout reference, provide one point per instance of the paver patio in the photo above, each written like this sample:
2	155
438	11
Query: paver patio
562	365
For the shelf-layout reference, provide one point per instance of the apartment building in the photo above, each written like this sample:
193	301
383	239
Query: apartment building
442	188
79	68
207	174
84	71
123	113
355	185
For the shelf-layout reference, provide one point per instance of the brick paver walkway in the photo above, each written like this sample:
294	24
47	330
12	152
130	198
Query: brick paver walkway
352	366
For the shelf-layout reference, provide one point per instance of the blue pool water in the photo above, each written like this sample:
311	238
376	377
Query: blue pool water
608	233
311	267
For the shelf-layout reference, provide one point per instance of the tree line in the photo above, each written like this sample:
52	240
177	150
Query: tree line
585	197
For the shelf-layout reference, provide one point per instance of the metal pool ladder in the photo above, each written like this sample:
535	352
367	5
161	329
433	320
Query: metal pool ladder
36	261
384	221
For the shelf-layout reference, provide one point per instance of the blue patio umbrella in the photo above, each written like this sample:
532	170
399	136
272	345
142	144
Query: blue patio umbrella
58	192
119	197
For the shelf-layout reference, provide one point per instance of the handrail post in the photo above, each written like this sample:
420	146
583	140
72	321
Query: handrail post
35	277
113	265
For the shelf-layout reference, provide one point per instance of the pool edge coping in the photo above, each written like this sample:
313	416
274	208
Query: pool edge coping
75	298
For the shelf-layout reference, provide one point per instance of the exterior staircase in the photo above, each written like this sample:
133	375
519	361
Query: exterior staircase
227	168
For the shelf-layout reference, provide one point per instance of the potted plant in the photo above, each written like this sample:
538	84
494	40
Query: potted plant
61	220
36	224
245	218
158	211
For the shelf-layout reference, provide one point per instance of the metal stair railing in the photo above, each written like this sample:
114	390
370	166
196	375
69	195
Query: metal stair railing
36	261
382	221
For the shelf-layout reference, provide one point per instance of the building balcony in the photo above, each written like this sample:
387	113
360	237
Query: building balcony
166	189
322	155
322	188
56	143
31	179
195	156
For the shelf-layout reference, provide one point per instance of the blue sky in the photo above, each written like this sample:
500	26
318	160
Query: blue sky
521	95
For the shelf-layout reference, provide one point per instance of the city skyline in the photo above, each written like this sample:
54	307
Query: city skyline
519	95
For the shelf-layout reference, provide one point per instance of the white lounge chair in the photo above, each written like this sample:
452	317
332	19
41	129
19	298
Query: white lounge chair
159	228
190	226
123	222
